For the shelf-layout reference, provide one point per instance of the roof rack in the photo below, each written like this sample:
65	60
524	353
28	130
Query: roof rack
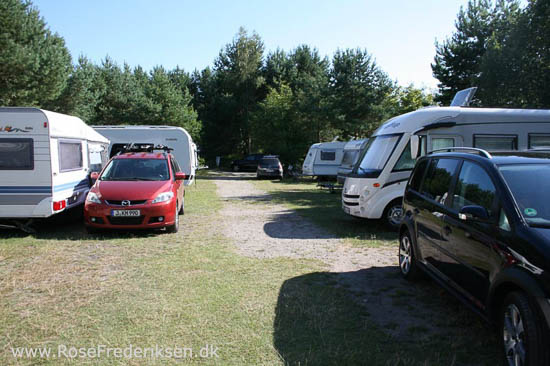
465	149
134	147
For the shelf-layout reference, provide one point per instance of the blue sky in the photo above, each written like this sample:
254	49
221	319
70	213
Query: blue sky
400	34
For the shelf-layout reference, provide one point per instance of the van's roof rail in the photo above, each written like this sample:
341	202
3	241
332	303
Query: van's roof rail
465	149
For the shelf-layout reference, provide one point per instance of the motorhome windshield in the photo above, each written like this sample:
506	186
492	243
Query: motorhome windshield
378	152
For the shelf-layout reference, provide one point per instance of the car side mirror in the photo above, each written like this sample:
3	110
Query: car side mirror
473	212
180	176
94	176
415	143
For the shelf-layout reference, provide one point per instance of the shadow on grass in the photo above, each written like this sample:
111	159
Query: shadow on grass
69	225
324	209
318	323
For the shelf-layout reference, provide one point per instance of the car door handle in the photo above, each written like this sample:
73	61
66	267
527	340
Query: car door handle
447	230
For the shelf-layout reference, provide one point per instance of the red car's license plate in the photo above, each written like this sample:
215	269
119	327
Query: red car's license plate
125	213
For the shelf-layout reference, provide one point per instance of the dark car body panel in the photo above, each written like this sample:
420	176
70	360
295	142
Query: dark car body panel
478	260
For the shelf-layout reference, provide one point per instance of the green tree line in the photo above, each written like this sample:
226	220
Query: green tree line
501	48
279	102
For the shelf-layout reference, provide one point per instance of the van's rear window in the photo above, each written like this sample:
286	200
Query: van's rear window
16	154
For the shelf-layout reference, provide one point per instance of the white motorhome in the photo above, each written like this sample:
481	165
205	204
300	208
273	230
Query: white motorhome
45	162
352	151
176	138
323	159
375	187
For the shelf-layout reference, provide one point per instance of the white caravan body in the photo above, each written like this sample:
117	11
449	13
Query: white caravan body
379	180
352	151
185	151
323	159
45	161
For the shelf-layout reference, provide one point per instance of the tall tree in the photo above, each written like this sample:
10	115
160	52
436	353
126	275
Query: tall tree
238	69
35	63
358	90
458	60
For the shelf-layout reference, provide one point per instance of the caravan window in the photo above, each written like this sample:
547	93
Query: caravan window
496	142
539	140
97	155
16	154
328	155
350	158
70	155
442	142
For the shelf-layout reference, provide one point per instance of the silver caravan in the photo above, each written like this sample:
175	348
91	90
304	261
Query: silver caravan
352	151
45	162
375	187
176	138
323	159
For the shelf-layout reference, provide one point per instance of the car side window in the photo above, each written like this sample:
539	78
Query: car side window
474	187
438	179
176	165
173	169
418	175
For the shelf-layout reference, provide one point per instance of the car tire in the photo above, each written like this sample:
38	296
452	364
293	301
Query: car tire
236	168
175	227
182	209
392	210
407	258
522	332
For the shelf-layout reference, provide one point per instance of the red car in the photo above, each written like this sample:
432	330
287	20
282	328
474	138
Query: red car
136	190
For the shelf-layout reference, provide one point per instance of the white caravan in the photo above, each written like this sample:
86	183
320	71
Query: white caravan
323	159
375	187
176	138
45	162
352	151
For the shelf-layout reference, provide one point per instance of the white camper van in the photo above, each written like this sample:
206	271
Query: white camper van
176	138
45	162
352	151
375	187
323	159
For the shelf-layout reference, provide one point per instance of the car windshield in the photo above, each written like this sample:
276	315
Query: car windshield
378	152
136	169
269	163
523	180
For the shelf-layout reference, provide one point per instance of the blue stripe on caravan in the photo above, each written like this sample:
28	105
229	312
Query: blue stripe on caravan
25	189
73	185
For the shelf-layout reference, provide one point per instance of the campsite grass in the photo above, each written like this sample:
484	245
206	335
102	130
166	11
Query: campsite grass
325	209
63	287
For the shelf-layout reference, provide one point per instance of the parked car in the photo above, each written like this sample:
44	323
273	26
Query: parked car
269	166
137	190
480	226
249	163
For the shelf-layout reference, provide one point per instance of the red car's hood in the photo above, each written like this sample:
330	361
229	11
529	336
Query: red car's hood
138	190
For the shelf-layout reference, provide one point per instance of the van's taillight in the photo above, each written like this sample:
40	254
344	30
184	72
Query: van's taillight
59	205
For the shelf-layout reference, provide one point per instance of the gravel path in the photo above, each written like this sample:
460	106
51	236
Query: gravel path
261	229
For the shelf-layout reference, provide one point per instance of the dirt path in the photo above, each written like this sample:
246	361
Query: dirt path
262	229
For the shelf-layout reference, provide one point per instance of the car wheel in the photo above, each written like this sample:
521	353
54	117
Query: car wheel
235	168
182	209
175	227
393	214
522	332
407	258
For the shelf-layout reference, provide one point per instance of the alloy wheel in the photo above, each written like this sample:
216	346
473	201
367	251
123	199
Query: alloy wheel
514	336
405	254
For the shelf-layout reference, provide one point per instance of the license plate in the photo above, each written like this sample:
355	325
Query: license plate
346	209
125	213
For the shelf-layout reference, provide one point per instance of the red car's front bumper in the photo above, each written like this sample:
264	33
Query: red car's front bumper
152	216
